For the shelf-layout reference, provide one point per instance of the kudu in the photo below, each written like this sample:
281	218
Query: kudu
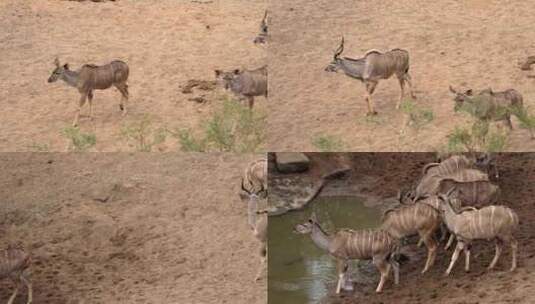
262	36
496	223
14	262
488	105
377	245
92	77
254	188
246	84
373	67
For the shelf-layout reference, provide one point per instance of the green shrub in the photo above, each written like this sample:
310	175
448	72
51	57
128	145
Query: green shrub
232	128
143	134
79	141
417	115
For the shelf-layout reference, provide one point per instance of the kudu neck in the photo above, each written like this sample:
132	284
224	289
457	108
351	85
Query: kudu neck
70	77
320	238
449	213
351	69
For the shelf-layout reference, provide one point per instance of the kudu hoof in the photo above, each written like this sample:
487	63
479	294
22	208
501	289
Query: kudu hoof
374	113
121	107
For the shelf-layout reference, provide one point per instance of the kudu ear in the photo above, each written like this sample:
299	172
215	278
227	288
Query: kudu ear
469	92
313	217
56	62
66	66
452	90
236	71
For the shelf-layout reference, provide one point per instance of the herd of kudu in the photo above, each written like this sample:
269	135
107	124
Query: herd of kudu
454	196
244	84
376	65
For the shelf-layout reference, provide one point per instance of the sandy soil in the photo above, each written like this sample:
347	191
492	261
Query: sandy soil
165	43
471	43
130	228
382	174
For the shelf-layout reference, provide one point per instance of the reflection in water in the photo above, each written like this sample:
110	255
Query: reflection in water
299	272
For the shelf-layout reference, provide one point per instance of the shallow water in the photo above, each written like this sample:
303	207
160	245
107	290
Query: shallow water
299	272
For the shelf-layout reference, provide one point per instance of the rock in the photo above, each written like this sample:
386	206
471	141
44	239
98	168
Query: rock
291	162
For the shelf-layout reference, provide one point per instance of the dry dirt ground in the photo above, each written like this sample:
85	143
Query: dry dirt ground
130	228
473	43
165	43
384	173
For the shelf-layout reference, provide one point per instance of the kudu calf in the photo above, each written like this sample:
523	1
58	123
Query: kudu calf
14	262
92	77
262	36
373	67
246	84
488	105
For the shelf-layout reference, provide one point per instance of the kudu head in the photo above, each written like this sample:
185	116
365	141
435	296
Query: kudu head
460	97
445	198
225	79
249	195
263	34
334	65
306	227
405	196
58	71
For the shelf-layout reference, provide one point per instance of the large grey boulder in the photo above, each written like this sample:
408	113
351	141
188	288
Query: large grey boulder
291	162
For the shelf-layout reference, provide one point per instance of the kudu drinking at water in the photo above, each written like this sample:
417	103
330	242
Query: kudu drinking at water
346	244
373	67
92	77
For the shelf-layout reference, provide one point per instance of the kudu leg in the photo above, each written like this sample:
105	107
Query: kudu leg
509	123
384	269
263	259
408	79
455	256
514	251
402	93
450	241
77	113
370	88
14	295
29	286
496	255
123	88
341	266
467	258
90	101
395	266
431	245
250	101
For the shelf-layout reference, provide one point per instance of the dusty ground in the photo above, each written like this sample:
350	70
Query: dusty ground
473	43
130	228
165	43
382	174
